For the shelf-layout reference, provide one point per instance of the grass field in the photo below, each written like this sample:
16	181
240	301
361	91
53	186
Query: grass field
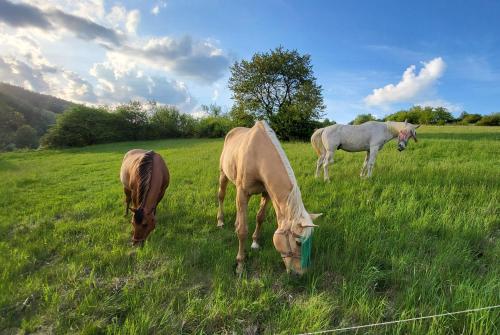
421	237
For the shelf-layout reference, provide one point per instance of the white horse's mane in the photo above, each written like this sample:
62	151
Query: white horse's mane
295	209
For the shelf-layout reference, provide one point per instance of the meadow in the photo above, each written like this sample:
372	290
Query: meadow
421	237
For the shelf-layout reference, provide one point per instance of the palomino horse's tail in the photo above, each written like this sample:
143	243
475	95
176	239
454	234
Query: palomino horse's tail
317	143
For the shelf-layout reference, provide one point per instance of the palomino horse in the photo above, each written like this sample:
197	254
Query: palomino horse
252	158
145	178
369	136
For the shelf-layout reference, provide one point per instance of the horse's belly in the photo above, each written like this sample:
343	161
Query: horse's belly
353	147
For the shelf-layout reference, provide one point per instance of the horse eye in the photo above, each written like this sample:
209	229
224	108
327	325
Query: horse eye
298	243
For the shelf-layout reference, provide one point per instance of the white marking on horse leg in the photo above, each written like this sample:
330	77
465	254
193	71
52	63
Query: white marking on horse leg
242	227
261	215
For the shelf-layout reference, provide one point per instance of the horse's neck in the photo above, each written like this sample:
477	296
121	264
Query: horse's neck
286	199
151	198
394	128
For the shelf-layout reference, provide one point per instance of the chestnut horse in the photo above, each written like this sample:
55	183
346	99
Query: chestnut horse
145	178
253	160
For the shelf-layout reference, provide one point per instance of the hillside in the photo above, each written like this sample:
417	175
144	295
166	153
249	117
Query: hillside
19	107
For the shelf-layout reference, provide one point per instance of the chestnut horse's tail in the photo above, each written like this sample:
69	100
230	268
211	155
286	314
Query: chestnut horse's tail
317	143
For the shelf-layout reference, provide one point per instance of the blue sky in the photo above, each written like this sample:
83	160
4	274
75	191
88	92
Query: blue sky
369	56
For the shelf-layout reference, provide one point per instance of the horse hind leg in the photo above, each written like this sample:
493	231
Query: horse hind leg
371	161
261	214
329	157
221	195
318	165
363	169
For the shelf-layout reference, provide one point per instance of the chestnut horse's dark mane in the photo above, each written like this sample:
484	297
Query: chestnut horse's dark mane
144	172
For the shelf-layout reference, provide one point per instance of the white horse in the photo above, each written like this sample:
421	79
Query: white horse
369	136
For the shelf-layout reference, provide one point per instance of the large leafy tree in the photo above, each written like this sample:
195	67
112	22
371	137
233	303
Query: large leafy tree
278	86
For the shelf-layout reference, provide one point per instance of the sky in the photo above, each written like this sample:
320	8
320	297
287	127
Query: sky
369	56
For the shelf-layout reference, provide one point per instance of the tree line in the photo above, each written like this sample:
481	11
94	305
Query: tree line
432	116
278	86
83	125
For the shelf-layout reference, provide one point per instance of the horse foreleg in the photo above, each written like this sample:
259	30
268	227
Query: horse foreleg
241	226
327	160
128	199
261	214
371	160
363	169
221	195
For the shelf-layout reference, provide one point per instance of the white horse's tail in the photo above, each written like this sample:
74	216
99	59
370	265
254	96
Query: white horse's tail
317	143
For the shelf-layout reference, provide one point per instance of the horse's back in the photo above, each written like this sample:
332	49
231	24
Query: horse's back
131	162
243	147
162	168
352	137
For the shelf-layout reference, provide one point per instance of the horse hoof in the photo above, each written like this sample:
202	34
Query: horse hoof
255	245
239	269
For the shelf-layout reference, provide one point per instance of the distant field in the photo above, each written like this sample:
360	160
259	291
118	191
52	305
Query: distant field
421	237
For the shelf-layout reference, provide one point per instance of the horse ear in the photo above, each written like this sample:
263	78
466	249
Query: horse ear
417	126
305	225
315	216
406	122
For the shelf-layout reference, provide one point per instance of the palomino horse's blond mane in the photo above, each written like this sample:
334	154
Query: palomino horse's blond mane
295	209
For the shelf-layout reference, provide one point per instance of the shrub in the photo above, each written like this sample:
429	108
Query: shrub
82	125
490	120
362	118
169	122
26	137
213	126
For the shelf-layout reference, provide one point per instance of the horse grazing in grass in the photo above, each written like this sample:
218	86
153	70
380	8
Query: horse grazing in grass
145	178
369	136
253	159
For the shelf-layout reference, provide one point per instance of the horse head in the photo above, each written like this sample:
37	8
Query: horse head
409	131
144	223
294	243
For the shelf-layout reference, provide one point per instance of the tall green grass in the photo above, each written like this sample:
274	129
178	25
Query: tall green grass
421	237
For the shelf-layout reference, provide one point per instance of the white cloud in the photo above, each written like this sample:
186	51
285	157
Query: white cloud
116	85
50	47
410	87
133	18
156	9
200	60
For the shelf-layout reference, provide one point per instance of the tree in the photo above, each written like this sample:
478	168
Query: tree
132	120
169	122
362	118
82	125
490	120
26	137
278	86
466	118
212	109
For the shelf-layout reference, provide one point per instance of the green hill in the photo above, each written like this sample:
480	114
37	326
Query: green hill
20	107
